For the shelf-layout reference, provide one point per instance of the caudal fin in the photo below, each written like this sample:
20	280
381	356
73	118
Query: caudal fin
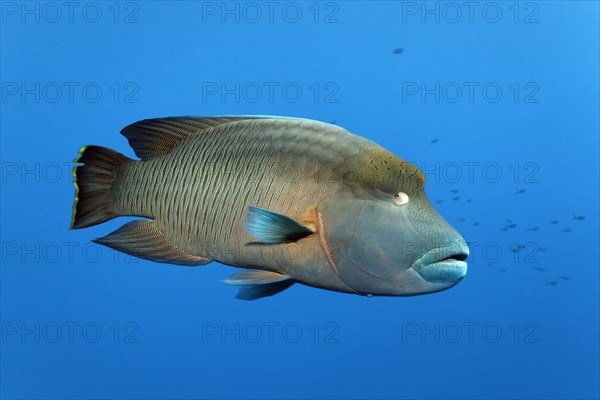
93	181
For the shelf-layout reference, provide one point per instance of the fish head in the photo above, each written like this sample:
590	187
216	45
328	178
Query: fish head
383	235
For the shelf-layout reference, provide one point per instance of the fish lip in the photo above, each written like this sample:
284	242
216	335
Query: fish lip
443	264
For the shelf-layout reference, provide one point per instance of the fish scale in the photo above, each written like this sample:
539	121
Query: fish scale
203	200
290	200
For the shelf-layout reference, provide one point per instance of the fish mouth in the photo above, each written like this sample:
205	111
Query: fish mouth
443	264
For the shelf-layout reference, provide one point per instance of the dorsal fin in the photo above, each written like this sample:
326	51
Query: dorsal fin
156	137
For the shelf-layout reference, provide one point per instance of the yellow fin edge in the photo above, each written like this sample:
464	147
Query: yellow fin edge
76	160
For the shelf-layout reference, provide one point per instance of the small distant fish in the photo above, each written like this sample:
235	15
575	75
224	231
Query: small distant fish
332	122
533	229
551	283
539	269
508	221
490	264
564	278
434	141
398	50
475	223
511	226
454	191
468	200
456	198
518	248
578	217
520	191
542	249
566	230
501	270
461	219
553	222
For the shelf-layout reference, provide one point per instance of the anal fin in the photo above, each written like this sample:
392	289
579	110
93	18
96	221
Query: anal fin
255	283
143	239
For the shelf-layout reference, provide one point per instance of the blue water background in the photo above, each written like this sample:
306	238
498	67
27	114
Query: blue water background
80	321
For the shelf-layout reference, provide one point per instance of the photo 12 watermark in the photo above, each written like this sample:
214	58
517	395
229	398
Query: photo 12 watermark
53	12
476	171
32	253
69	92
469	332
271	12
361	253
269	332
454	12
468	92
517	172
70	332
270	91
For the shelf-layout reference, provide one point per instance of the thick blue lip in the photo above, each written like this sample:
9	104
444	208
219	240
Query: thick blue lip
443	264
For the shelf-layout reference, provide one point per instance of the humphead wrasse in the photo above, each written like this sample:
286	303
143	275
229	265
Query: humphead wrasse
287	200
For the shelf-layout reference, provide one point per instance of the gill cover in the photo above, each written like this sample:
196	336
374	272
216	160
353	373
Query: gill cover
362	236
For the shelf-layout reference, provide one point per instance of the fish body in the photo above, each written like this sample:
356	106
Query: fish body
287	200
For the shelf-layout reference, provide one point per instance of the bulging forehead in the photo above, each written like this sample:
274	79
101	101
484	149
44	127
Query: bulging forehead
379	168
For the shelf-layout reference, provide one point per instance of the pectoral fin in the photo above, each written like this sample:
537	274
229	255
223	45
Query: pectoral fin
270	227
143	239
256	283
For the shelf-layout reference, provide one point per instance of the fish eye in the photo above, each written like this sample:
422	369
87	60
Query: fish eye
400	198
